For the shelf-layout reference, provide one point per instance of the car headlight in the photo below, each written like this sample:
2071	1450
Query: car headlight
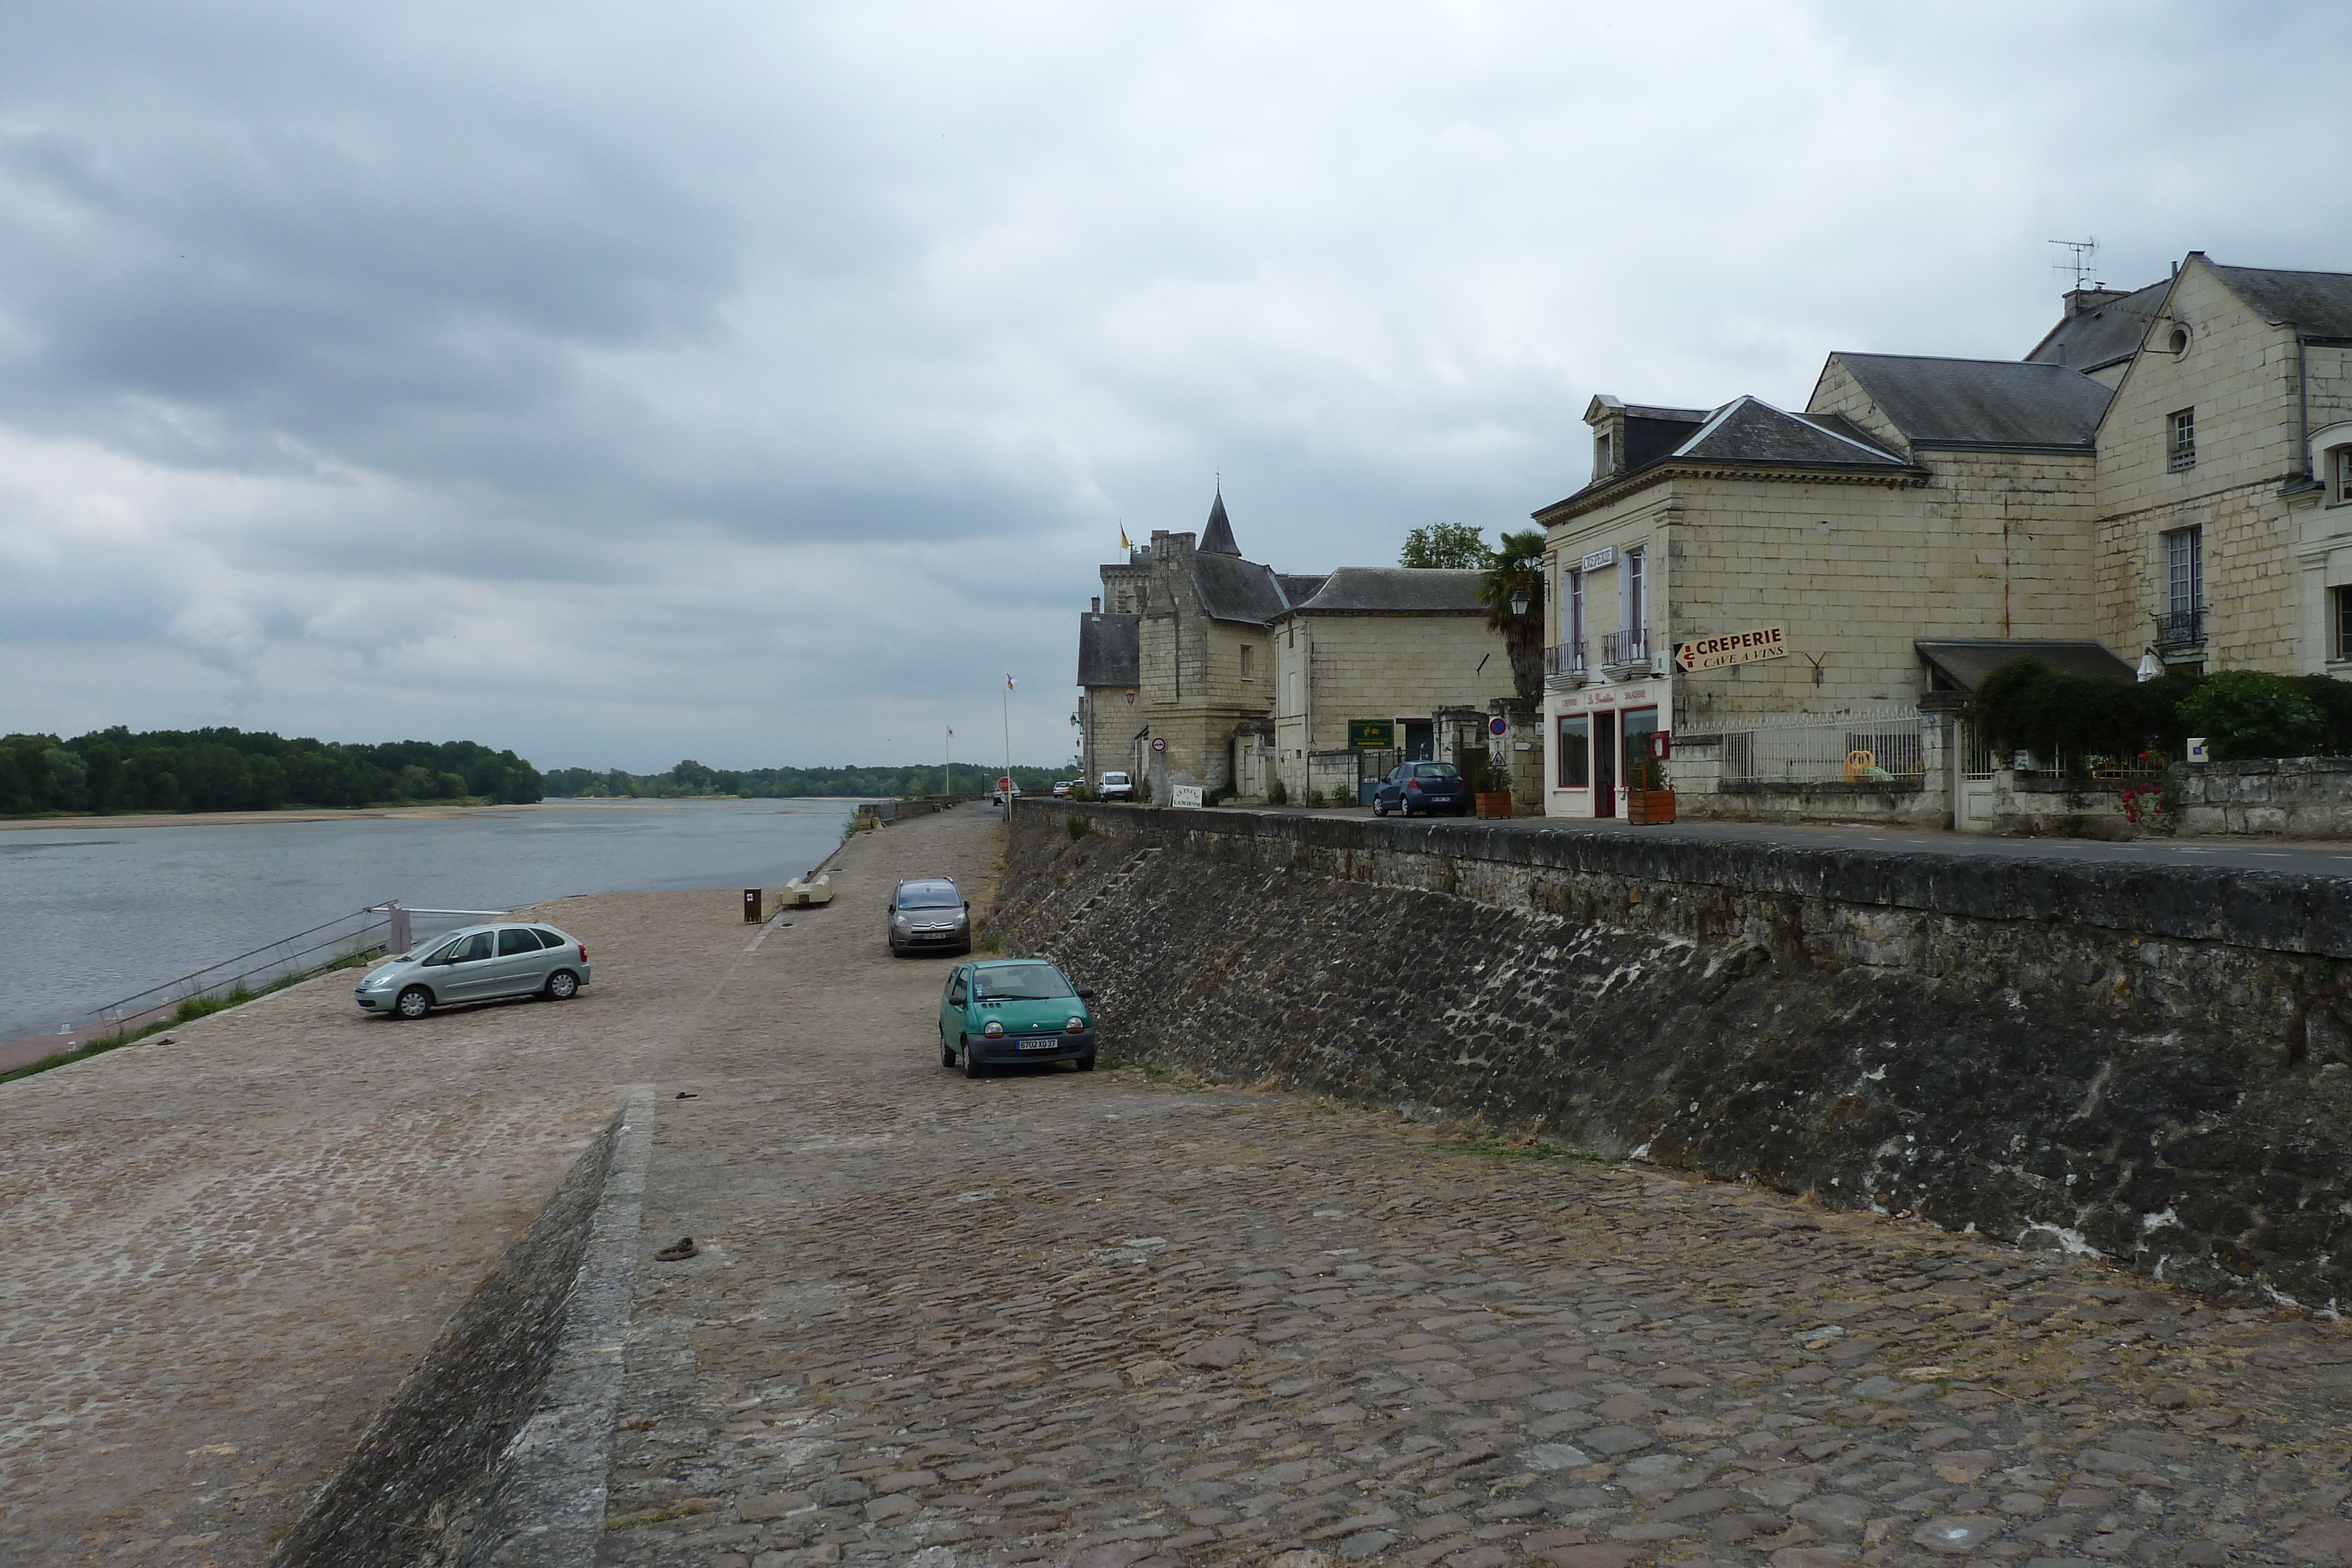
993	1029
1076	1026
902	921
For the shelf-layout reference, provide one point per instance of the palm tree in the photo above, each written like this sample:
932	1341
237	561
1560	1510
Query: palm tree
1512	594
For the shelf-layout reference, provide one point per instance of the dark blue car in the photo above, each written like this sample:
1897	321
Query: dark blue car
1423	787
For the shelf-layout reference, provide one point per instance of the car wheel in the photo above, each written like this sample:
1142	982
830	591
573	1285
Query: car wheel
1087	1062
562	986
413	1003
946	1056
972	1066
1380	807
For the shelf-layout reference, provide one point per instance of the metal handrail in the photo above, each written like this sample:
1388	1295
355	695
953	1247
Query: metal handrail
1628	647
1564	659
2180	629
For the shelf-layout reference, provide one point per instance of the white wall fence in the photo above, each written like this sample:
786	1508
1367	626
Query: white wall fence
1890	742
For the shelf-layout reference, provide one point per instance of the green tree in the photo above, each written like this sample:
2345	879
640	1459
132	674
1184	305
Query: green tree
2250	712
1517	569
1457	547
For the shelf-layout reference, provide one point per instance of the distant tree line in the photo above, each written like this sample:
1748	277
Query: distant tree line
690	777
241	770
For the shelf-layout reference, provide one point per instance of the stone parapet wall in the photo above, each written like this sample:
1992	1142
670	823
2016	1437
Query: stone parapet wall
1906	803
2149	1062
2298	796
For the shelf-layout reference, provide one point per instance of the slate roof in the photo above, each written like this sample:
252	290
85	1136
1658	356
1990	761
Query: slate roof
1982	402
1217	538
1298	587
1397	591
1965	661
1749	430
1108	649
1231	589
2319	303
2107	335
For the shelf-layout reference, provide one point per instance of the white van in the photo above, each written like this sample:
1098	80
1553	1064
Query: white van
1117	787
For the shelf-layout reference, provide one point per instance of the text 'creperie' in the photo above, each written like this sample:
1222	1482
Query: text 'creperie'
1733	648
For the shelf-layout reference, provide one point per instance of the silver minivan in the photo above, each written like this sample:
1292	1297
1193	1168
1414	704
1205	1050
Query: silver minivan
477	963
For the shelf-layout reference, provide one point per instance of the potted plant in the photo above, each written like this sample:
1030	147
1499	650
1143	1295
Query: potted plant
1649	798
1493	791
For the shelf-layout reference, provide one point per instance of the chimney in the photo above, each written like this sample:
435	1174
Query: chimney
2081	301
1098	603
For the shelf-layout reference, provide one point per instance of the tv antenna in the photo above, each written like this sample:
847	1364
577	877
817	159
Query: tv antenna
2084	257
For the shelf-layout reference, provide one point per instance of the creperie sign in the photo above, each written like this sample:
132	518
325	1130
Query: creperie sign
1733	648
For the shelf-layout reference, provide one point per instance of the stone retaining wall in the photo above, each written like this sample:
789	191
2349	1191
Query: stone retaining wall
429	1468
2150	1062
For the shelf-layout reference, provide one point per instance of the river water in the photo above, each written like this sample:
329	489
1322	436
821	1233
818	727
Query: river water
88	915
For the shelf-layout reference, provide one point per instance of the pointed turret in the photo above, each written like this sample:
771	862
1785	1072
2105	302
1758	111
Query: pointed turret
1217	539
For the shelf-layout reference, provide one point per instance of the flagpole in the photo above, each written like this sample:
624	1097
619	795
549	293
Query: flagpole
1007	696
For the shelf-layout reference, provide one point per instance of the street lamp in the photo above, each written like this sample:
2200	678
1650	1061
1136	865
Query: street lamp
1519	601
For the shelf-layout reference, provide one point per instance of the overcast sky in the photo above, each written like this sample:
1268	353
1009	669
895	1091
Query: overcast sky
763	382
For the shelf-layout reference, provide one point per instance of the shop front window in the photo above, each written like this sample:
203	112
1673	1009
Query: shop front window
1640	722
1575	752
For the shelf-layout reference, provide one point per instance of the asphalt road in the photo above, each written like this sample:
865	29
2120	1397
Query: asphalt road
2310	857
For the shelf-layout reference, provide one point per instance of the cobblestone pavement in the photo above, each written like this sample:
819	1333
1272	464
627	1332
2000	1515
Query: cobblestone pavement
223	1253
1125	1323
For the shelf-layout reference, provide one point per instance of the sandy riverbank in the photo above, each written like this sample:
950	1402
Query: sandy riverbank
428	813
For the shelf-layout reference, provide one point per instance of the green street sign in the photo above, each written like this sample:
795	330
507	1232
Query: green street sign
1372	733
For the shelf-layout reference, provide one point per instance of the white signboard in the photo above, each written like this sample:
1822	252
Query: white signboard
1606	555
1186	795
1593	699
1733	648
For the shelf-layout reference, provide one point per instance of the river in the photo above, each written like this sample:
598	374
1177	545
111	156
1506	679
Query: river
90	914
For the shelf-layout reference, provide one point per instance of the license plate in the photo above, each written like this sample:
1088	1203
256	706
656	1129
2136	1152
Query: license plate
1048	1043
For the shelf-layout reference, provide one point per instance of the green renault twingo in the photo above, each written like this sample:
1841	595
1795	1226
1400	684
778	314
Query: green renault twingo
999	1011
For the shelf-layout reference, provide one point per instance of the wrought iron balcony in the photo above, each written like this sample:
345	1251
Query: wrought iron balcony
1564	659
2180	629
1626	647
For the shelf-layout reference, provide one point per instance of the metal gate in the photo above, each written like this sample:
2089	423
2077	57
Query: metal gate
1973	798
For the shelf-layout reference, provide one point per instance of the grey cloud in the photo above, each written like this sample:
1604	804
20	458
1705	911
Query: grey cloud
784	370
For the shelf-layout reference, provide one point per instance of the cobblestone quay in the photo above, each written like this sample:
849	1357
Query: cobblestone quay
1121	1320
1106	1320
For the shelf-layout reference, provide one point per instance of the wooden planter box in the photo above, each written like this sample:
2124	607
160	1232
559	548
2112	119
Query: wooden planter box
1498	804
1649	807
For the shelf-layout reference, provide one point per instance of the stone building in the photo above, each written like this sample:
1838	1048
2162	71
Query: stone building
1804	556
2224	474
1190	645
1405	647
1793	597
1178	650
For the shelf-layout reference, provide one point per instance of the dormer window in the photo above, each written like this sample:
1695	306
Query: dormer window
1604	455
2337	473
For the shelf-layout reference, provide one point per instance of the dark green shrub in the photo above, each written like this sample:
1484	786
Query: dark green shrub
1079	827
2027	705
2331	697
1277	793
2250	712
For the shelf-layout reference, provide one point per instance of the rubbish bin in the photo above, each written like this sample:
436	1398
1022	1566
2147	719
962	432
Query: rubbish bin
751	899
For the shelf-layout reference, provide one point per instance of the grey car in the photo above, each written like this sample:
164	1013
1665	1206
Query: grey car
928	912
477	963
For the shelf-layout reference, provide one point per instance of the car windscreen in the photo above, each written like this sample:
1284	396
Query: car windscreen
929	896
1020	983
1434	770
1114	778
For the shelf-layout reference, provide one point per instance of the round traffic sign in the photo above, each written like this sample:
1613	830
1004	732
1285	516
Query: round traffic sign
1159	743
1499	725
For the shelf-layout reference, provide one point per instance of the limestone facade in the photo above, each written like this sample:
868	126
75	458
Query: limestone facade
1401	647
2249	514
